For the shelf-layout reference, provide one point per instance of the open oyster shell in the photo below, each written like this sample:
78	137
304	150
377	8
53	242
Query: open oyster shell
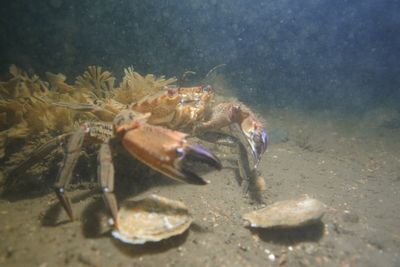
151	219
288	213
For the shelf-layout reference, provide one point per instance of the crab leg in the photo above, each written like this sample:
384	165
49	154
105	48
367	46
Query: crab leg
229	140
87	107
105	174
39	154
79	107
64	176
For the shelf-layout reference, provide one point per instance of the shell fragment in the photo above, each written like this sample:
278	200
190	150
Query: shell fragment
151	219
288	213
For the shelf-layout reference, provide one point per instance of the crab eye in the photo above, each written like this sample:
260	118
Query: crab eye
207	88
171	91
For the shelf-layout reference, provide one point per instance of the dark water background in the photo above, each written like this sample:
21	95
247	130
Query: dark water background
321	54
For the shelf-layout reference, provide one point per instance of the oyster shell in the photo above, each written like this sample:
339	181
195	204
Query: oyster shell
288	213
153	218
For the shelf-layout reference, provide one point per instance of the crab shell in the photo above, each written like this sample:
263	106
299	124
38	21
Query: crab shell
151	219
287	214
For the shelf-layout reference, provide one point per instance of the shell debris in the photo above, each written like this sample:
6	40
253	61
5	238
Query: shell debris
288	213
151	219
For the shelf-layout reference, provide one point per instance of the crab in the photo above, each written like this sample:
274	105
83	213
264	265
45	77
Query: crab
153	130
188	109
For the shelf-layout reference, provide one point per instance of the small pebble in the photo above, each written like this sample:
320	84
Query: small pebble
242	247
271	257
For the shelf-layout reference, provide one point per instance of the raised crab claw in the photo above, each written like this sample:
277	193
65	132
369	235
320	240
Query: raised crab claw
228	113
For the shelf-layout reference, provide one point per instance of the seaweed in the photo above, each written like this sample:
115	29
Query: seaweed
33	110
135	86
97	81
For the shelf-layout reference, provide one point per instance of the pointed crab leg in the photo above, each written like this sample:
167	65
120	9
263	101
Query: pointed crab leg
72	152
39	154
105	174
87	107
225	139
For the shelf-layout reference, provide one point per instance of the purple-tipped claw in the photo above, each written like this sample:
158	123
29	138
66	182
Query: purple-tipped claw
198	152
189	157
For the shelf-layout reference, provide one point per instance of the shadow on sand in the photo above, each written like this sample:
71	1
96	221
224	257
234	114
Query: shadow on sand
291	236
151	247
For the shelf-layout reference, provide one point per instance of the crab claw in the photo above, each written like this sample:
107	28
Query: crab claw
166	151
256	137
189	157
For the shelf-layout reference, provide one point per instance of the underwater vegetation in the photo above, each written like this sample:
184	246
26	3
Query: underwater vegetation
29	116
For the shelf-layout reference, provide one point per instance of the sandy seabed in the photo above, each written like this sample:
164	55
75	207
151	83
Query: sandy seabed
351	163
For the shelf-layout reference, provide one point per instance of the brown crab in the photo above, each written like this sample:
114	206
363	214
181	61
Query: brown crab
187	109
148	130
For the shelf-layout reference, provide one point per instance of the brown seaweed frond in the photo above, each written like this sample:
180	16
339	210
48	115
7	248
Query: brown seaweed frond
8	88
12	112
101	83
38	115
30	117
60	88
22	85
13	97
135	86
43	117
18	131
27	109
57	82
